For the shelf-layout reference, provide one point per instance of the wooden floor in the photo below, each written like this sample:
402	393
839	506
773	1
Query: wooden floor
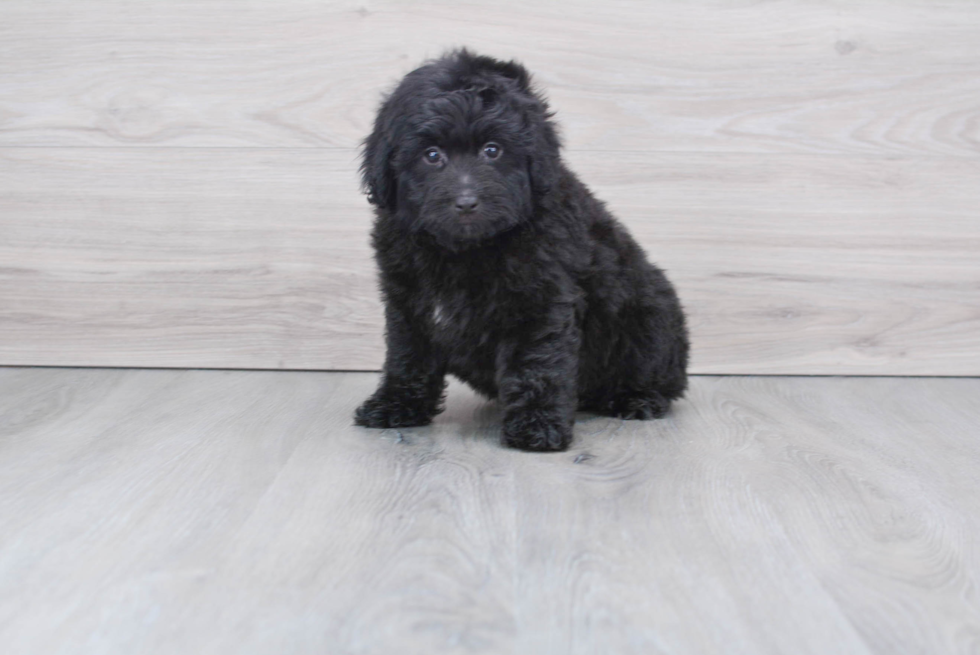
174	511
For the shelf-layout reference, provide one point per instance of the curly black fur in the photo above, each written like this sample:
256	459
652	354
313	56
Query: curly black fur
499	266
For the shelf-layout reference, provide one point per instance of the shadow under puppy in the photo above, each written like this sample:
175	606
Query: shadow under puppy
497	265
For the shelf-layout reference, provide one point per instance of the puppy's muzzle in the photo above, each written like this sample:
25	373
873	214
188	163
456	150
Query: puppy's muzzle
466	202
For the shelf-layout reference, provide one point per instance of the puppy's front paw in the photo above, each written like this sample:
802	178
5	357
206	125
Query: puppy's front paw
386	412
530	431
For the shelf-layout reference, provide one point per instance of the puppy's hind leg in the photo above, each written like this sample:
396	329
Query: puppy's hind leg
646	393
639	405
650	377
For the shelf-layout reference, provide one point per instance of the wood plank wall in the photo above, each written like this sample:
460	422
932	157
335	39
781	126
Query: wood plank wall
178	180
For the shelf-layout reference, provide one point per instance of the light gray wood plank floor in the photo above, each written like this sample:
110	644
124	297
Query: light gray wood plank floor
175	511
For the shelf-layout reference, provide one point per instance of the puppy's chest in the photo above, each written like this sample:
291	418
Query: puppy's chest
460	318
441	317
456	314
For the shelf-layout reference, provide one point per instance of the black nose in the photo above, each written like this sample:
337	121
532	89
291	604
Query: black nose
466	202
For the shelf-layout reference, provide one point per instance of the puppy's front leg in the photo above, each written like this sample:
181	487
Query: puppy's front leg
537	372
413	383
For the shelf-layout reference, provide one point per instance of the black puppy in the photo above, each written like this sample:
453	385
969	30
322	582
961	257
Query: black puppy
500	267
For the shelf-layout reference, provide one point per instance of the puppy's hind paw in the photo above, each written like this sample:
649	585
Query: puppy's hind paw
636	406
537	434
391	413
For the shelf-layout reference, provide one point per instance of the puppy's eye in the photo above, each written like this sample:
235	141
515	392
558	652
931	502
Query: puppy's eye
432	156
492	150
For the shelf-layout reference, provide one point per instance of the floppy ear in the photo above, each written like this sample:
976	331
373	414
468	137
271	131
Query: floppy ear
377	176
544	163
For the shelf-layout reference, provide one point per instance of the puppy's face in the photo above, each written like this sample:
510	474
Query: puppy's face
462	151
462	188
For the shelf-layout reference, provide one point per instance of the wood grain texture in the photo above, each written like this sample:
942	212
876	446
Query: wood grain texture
856	78
177	180
240	512
197	258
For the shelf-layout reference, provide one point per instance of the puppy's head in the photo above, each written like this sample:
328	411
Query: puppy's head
463	149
